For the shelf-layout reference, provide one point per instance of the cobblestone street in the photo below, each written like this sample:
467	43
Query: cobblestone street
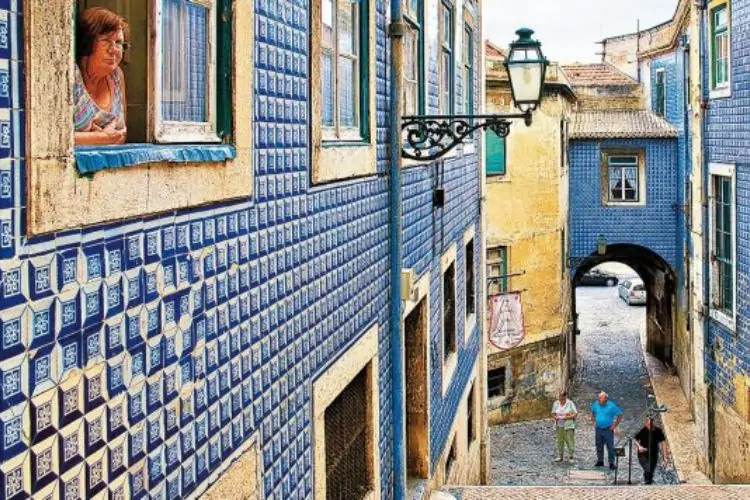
609	359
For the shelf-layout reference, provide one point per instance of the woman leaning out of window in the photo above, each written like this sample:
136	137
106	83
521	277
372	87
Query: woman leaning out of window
99	90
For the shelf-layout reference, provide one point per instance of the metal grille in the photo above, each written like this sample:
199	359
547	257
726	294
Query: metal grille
347	474
496	382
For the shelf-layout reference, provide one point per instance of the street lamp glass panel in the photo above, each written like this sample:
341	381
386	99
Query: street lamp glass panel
526	67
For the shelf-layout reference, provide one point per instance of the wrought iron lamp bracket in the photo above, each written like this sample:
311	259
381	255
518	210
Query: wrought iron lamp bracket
433	136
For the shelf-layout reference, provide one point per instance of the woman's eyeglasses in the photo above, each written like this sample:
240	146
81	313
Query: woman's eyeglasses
117	44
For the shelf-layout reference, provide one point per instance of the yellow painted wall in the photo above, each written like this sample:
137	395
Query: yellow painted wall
527	211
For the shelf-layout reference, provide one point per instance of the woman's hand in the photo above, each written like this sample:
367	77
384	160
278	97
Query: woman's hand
113	135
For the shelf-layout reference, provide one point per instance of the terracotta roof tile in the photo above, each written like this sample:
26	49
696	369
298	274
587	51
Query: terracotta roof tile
597	74
493	51
621	124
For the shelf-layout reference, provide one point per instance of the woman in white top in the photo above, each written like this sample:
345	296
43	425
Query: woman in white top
564	413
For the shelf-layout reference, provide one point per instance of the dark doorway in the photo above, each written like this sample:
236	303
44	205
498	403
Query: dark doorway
415	356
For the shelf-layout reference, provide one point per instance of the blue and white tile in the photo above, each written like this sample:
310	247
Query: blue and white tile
73	483
95	423
44	461
96	473
15	427
14	387
71	398
15	477
72	450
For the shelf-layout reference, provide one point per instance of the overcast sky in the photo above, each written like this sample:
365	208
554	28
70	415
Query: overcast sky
569	29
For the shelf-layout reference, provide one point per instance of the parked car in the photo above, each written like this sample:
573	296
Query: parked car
633	292
596	277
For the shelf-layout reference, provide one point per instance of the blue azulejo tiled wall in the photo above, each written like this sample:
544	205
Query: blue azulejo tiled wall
677	112
728	141
141	356
652	225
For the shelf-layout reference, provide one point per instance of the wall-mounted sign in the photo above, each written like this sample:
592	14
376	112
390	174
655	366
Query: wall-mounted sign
506	321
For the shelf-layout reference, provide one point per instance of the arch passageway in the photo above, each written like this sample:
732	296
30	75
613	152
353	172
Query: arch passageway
661	285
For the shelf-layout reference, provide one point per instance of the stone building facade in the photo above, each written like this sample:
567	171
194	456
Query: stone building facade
181	315
527	227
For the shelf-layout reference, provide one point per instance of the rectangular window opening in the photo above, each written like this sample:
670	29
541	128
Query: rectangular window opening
719	47
413	57
661	96
469	274
497	270
446	58
471	434
342	66
173	84
449	311
723	244
468	75
347	436
623	178
417	420
496	382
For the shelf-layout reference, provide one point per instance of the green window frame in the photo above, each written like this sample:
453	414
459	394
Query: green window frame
446	58
723	244
719	47
414	88
495	161
338	49
660	88
497	270
468	69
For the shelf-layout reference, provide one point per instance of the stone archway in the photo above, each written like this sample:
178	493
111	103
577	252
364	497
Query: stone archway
661	285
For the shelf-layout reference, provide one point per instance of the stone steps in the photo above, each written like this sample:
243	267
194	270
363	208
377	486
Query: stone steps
586	477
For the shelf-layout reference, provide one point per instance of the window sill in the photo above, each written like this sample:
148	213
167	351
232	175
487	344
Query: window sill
90	159
720	93
345	143
723	319
498	178
449	369
625	204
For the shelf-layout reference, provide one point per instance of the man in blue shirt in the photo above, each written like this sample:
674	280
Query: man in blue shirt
607	416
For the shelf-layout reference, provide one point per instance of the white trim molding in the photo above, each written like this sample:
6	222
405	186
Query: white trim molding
722	170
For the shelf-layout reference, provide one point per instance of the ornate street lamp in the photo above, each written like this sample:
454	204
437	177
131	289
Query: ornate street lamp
433	136
527	67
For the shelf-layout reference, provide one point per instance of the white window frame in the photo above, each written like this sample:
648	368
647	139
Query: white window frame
725	89
722	170
640	154
338	132
172	131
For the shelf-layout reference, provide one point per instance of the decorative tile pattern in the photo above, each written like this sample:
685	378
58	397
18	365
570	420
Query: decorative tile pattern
138	357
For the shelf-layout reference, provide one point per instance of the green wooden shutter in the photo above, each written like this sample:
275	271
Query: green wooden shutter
224	70
495	161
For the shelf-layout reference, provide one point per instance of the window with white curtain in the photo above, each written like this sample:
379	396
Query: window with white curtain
340	68
184	104
622	178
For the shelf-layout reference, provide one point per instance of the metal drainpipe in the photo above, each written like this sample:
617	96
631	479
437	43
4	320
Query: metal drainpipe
705	229
396	33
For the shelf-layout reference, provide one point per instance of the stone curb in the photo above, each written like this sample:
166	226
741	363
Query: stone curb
678	421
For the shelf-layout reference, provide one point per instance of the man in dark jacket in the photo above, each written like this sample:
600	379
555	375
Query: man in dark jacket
648	440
